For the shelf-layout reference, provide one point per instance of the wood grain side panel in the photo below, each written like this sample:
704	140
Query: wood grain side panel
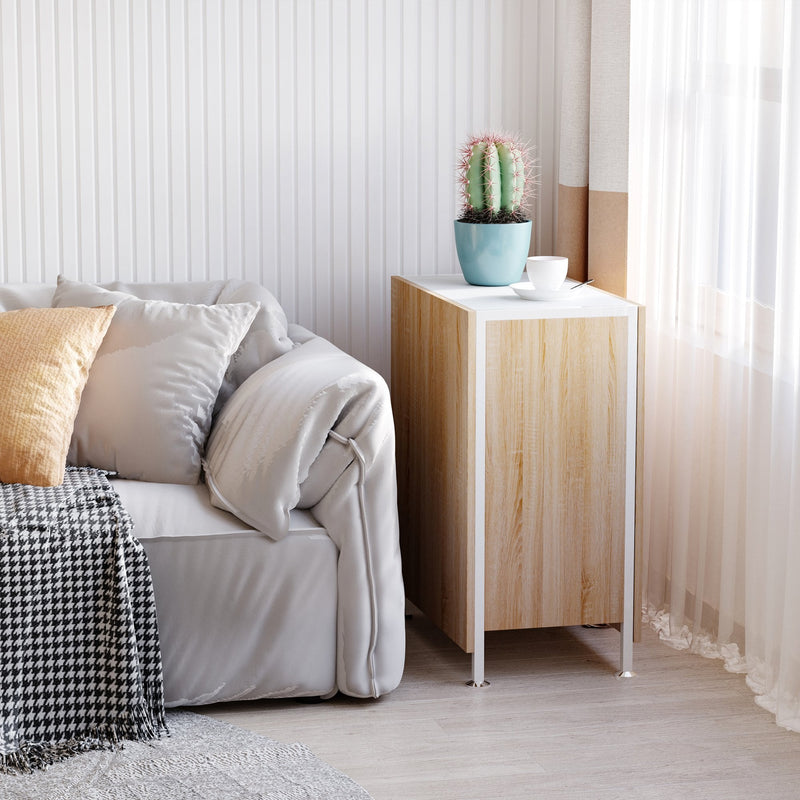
555	496
433	391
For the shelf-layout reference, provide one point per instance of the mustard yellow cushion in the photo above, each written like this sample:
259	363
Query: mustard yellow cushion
45	357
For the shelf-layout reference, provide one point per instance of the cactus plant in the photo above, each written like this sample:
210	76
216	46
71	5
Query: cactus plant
496	181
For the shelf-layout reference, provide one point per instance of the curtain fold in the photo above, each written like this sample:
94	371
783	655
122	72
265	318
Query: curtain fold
714	252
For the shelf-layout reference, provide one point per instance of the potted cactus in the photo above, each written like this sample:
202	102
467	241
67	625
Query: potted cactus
493	233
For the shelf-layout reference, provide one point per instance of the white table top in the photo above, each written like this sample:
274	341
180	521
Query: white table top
503	303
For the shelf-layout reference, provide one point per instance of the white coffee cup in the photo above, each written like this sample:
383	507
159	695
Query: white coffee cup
547	273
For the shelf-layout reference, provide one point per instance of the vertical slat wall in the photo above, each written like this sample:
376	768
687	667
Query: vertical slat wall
308	145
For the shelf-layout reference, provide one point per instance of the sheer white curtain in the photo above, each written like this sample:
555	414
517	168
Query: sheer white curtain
714	253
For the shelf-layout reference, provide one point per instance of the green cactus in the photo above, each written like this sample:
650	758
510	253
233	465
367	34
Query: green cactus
494	176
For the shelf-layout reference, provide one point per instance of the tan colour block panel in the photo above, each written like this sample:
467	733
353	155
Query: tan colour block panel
572	236
608	241
555	471
433	380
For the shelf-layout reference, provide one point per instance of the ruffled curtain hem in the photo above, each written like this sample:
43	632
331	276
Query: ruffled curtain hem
786	710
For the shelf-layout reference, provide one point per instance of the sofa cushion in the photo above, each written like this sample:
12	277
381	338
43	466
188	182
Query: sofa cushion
45	358
147	406
241	617
181	511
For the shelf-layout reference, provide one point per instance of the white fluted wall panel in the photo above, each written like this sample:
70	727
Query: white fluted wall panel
308	145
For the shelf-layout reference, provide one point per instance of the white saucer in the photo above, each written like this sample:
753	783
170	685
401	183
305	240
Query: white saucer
527	291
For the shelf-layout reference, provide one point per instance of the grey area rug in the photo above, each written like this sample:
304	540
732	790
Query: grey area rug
201	759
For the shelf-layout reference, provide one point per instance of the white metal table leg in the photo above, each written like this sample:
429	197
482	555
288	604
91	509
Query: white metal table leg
479	573
478	675
626	631
626	651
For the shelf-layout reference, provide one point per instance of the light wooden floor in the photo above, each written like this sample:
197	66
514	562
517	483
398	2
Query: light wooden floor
555	723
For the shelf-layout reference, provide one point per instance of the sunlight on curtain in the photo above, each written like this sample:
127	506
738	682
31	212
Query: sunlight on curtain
714	254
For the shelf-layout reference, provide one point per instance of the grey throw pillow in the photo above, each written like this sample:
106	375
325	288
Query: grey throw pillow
147	406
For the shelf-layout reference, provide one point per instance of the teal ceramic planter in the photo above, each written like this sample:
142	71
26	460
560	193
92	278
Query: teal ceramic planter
492	254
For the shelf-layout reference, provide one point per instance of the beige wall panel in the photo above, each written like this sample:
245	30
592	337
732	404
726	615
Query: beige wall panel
610	79
555	536
573	165
433	379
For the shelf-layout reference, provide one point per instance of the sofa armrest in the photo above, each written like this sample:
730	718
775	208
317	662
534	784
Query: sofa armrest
314	429
267	439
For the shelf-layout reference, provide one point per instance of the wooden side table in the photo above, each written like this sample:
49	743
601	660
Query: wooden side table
517	452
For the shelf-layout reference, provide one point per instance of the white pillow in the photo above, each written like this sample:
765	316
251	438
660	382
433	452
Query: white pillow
147	406
267	338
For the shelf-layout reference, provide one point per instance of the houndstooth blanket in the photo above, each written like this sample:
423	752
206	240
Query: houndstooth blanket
80	664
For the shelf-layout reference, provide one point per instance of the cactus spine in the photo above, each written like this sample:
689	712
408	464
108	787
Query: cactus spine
493	176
